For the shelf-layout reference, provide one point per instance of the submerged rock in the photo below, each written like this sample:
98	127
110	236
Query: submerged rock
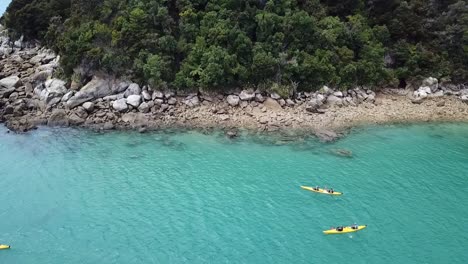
326	135
342	153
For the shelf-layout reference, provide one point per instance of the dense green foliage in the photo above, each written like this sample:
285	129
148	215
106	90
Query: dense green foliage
269	44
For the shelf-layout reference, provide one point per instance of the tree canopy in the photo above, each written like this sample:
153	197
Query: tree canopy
267	44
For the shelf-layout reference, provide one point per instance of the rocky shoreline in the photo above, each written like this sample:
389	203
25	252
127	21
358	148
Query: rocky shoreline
31	95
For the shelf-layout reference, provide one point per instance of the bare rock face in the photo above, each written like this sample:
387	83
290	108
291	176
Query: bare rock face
271	104
246	95
120	105
134	100
157	95
464	98
98	87
432	83
10	82
54	88
144	107
133	89
333	100
259	98
58	118
313	105
88	106
233	100
146	95
192	101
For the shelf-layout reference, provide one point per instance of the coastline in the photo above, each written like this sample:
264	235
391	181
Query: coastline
295	122
31	95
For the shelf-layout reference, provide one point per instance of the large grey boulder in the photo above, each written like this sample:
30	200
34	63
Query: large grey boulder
67	96
119	87
338	94
134	100
98	87
326	135
192	101
172	101
146	95
233	100
259	98
113	97
464	98
333	100
247	95
120	105
326	90
275	96
133	89
271	104
54	88
89	107
42	76
422	92
144	107
58	118
313	105
10	82
432	83
157	95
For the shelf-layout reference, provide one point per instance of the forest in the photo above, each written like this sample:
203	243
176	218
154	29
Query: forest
278	45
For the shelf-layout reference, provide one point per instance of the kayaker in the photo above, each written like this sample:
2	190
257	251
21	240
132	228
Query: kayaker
316	188
331	190
355	226
340	228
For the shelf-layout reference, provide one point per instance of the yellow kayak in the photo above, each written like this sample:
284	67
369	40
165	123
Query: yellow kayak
346	229
320	190
4	247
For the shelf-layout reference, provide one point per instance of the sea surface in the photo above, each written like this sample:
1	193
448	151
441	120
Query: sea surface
75	196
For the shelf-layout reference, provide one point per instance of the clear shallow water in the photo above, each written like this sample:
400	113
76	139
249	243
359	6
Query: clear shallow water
71	196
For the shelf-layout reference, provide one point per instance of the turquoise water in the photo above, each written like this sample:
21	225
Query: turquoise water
72	196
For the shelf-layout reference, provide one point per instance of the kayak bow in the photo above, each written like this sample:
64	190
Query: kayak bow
4	247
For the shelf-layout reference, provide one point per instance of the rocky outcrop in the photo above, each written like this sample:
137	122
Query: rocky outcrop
98	87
